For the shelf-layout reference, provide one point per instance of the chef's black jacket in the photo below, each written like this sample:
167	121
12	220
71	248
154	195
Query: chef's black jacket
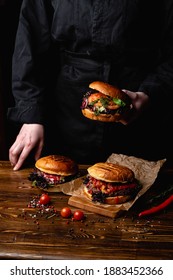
63	45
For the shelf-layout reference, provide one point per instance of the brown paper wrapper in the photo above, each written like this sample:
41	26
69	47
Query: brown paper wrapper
145	171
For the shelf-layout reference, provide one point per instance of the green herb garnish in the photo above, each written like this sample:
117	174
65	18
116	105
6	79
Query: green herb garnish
119	102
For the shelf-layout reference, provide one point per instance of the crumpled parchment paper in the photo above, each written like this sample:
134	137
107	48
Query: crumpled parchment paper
145	171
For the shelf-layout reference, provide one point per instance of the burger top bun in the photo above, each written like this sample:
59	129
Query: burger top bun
110	90
57	164
111	172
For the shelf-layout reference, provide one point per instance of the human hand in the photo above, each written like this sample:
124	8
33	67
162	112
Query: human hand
140	101
30	136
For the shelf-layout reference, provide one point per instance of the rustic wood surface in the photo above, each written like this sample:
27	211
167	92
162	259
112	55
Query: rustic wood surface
28	233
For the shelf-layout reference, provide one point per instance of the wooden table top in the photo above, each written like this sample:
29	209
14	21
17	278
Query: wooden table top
26	233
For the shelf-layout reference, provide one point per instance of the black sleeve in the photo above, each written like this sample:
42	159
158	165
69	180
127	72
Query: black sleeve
31	50
159	83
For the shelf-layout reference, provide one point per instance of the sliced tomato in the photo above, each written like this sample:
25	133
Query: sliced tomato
95	96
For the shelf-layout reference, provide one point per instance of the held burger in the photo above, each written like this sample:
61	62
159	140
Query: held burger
105	102
110	183
53	170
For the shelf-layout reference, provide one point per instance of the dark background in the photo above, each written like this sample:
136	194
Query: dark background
9	14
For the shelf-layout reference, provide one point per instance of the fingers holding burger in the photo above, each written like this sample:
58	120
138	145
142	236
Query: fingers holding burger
140	102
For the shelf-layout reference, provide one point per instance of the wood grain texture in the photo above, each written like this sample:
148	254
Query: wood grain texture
27	233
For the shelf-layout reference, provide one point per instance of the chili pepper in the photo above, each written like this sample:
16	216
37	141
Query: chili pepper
157	208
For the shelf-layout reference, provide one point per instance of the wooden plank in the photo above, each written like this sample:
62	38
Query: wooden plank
28	233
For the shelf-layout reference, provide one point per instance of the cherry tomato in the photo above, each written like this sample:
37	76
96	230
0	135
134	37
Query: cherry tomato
66	212
78	215
44	199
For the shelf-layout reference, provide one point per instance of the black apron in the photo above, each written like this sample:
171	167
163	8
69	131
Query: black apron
73	134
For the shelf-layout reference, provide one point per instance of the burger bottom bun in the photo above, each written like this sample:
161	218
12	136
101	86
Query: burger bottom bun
102	117
112	200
